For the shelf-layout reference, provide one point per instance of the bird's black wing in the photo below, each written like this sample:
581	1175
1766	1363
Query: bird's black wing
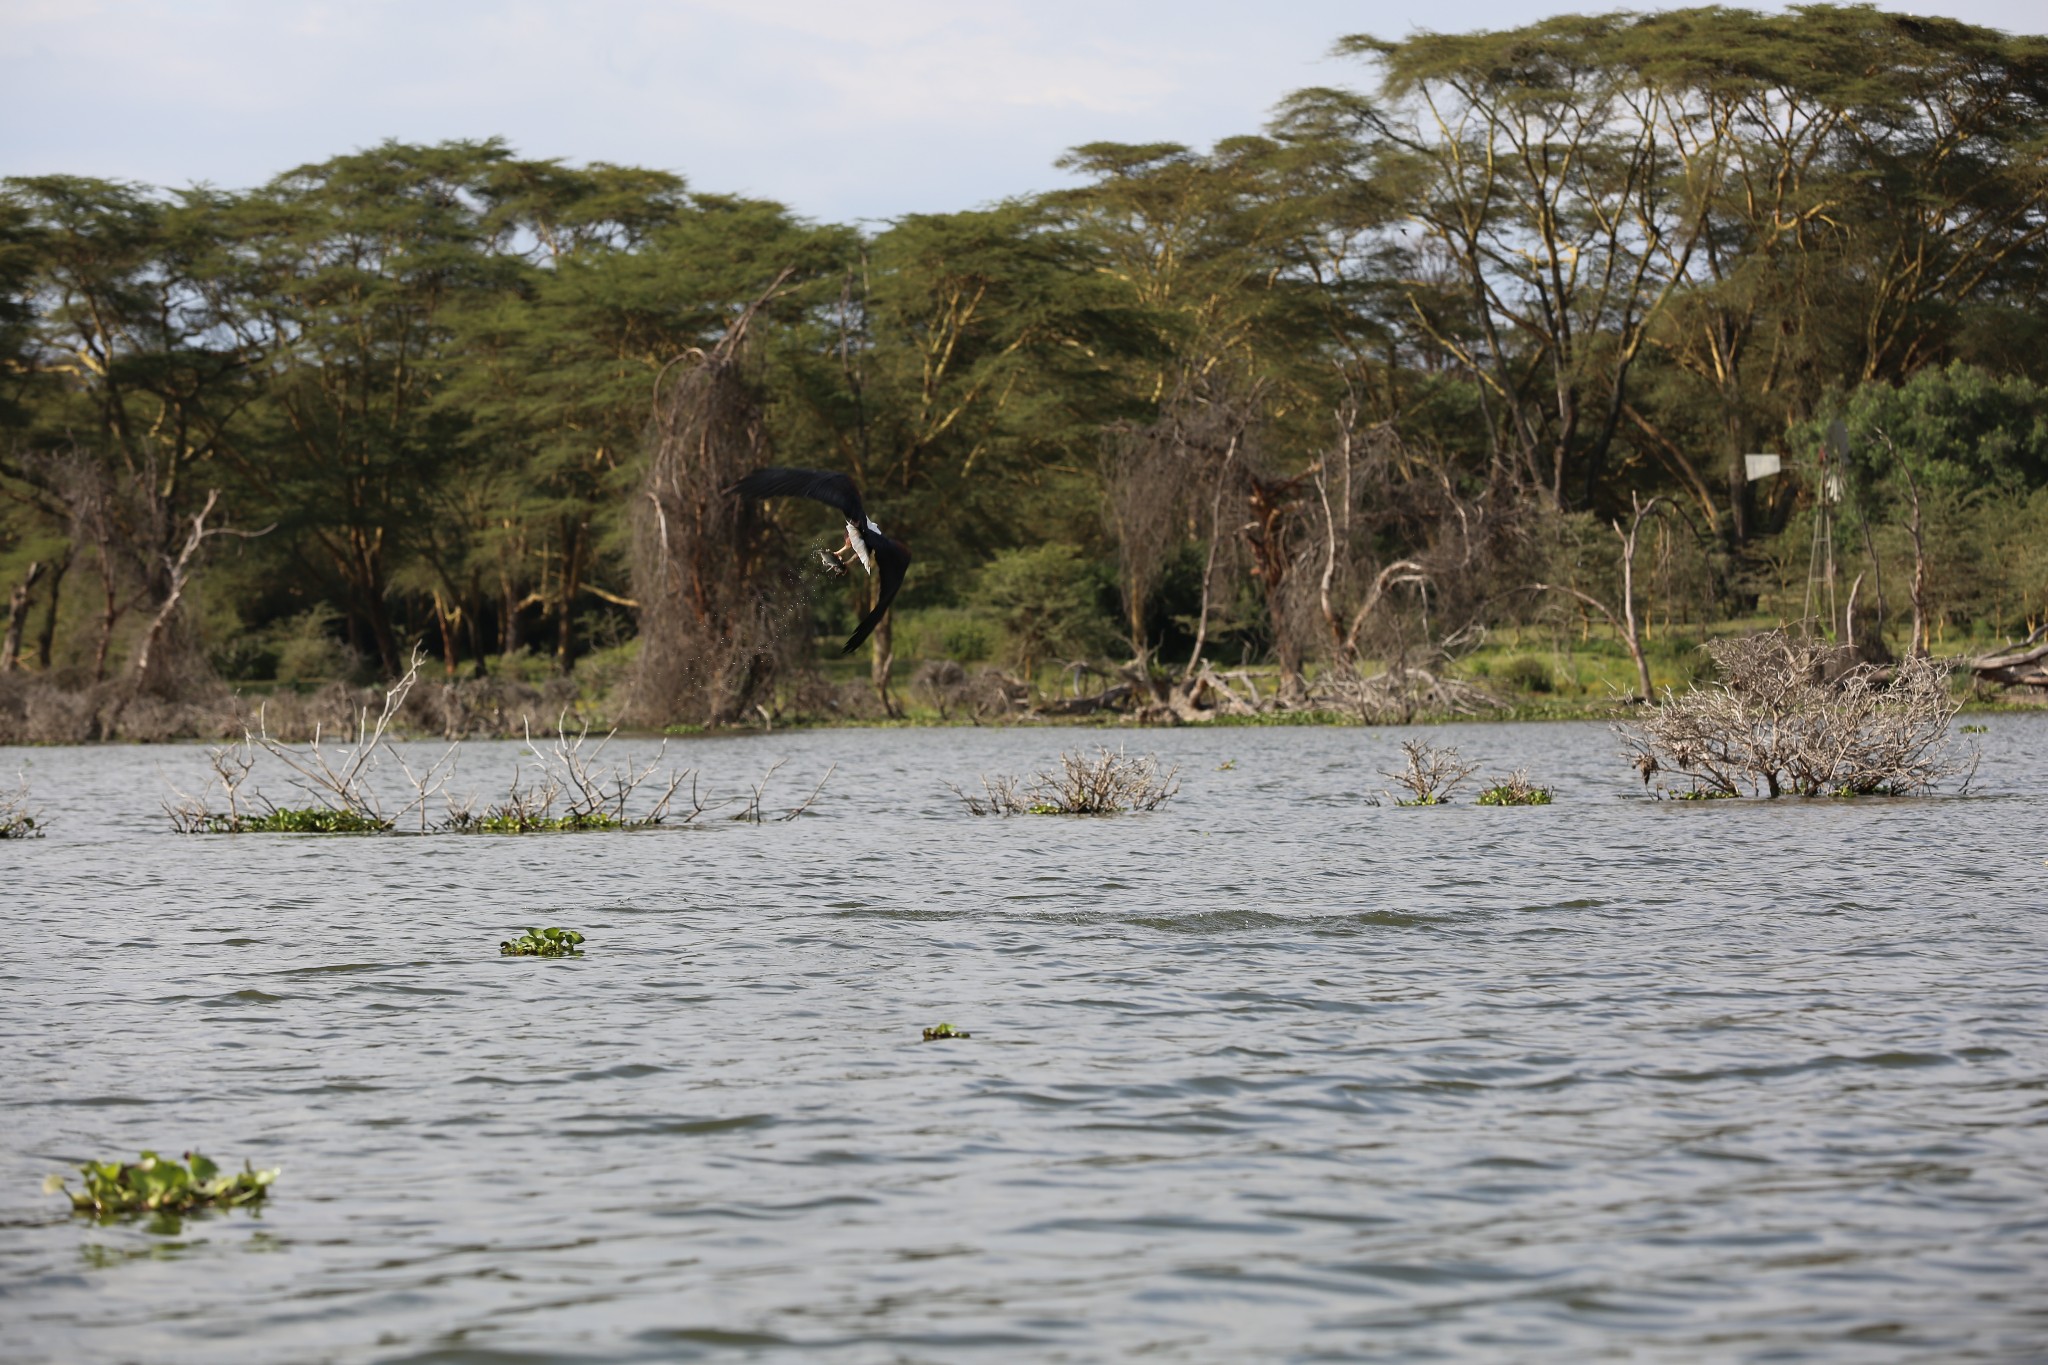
834	490
891	560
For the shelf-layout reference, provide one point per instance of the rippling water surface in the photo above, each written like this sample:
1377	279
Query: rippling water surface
1269	1074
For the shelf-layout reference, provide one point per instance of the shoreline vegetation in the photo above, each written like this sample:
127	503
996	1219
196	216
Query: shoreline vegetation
1315	423
1521	676
1783	714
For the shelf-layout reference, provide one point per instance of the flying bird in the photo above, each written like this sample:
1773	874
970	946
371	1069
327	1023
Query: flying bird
879	555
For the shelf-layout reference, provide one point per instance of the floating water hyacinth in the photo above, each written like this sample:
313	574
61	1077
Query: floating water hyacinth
543	943
939	1033
1515	790
155	1184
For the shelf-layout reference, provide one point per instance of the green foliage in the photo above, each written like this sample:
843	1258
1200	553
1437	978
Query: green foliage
1515	790
290	820
939	1033
154	1184
1526	672
306	648
509	819
429	366
543	943
962	635
1047	601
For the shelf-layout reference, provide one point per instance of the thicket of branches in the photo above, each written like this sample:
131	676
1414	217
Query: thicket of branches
718	610
1480	343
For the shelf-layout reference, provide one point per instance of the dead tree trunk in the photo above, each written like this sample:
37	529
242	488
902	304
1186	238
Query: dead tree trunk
2023	666
17	613
1624	621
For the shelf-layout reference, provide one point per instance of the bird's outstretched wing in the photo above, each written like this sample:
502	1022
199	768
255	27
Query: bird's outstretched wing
891	560
834	490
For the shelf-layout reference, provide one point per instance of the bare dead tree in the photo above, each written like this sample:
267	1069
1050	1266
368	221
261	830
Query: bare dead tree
342	780
1782	718
1432	774
717	621
1624	621
17	613
177	575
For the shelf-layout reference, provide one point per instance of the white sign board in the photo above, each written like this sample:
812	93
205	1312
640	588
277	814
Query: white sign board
1761	466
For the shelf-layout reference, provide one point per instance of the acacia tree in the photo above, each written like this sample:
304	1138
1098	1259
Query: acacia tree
957	362
1561	217
619	273
347	276
134	386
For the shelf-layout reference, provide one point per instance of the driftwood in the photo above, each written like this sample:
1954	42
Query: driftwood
2025	665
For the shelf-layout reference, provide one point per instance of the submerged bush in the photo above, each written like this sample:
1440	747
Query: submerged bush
1432	774
939	1033
17	817
155	1184
1106	782
1515	790
543	943
1785	715
287	820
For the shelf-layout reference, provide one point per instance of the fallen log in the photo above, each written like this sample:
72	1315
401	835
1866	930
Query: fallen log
2023	666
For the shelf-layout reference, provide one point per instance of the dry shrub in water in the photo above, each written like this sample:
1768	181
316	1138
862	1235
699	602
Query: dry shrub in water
17	816
1432	775
1784	717
1515	790
1103	783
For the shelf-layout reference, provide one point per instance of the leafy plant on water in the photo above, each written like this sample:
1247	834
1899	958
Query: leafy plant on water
154	1184
1432	774
17	817
939	1033
1106	782
1976	729
1515	790
552	942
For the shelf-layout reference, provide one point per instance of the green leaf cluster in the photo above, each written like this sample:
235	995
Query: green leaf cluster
1513	793
295	820
508	820
551	942
154	1184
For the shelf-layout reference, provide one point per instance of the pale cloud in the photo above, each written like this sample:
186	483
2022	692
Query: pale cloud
841	110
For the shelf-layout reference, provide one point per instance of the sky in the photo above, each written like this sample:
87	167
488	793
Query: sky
844	110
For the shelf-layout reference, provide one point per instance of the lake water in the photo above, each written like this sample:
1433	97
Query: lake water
1268	1074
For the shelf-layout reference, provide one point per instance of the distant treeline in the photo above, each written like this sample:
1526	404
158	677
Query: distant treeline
1404	367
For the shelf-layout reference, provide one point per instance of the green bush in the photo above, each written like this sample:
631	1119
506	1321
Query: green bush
1047	600
1526	672
306	650
954	633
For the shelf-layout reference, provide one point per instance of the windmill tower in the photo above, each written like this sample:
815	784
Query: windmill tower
1828	488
